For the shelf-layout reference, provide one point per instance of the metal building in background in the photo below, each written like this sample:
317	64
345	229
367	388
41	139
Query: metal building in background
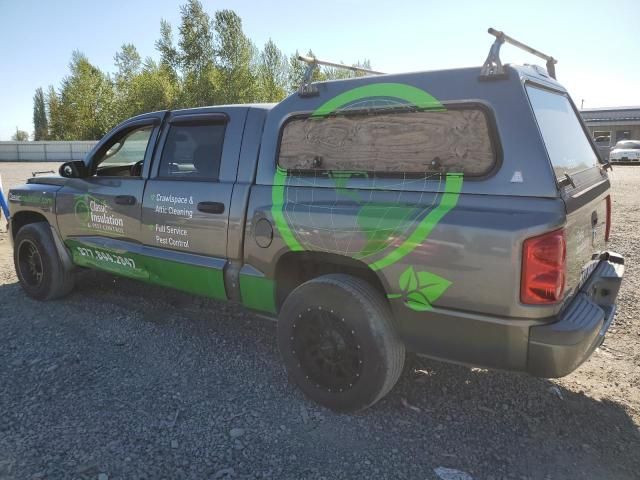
49	151
609	125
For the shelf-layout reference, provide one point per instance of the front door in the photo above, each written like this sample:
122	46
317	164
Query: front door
99	215
185	210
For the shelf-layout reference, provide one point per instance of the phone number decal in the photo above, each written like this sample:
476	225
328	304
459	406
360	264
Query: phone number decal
106	257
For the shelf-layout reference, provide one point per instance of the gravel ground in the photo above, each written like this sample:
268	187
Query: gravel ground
125	380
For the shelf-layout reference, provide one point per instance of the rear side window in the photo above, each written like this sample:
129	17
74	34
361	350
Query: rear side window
192	151
403	142
567	143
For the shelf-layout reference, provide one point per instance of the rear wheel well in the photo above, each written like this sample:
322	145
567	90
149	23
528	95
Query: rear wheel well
21	219
295	268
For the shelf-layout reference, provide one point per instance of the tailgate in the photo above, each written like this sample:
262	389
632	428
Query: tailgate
587	217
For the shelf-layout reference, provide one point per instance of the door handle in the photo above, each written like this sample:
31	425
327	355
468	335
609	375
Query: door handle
125	200
211	207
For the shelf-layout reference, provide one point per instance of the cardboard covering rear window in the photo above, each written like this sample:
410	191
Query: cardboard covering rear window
454	140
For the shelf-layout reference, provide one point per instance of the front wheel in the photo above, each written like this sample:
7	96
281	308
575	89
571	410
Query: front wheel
338	343
38	265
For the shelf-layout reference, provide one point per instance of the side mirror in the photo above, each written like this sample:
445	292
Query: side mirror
73	169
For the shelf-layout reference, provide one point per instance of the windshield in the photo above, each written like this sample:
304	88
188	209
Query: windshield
567	144
628	145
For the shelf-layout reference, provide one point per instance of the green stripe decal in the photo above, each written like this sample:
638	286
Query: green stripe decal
277	210
452	188
412	95
258	293
205	281
195	279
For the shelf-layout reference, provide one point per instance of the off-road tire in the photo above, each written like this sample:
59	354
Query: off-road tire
360	315
41	273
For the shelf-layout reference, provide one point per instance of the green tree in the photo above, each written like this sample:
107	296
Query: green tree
40	122
272	73
20	136
155	88
129	65
87	104
169	57
54	115
213	62
196	56
199	88
196	38
236	59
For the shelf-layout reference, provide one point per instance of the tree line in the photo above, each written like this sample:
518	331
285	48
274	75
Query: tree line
213	62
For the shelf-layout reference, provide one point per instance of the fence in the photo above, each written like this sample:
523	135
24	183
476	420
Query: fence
44	151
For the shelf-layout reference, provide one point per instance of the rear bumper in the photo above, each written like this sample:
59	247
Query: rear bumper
559	348
552	348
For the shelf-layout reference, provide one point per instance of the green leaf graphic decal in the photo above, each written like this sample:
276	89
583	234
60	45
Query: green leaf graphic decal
417	301
420	289
408	280
432	286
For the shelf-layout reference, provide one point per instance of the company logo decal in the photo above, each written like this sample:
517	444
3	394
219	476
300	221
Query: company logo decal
95	214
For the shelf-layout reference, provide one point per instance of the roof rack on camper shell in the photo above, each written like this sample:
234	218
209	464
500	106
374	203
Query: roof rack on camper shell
491	69
307	89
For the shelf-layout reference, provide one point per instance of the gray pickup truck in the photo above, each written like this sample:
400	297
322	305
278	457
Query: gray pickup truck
459	214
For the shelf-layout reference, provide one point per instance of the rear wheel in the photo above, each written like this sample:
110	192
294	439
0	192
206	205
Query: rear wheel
38	265
338	343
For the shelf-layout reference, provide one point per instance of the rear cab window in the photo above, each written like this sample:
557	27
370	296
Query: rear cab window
383	142
567	143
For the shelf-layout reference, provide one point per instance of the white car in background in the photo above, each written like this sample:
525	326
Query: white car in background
625	151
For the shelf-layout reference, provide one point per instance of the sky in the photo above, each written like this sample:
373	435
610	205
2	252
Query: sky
597	43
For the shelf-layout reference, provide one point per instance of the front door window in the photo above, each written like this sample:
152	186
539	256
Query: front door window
125	156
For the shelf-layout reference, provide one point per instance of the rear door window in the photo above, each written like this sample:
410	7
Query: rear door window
567	143
193	151
403	142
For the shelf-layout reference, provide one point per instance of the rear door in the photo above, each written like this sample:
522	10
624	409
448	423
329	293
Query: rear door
583	183
185	210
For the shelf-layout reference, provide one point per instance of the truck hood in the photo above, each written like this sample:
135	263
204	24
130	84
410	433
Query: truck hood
53	180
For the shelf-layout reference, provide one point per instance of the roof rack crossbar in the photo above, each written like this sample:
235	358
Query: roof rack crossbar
307	88
315	61
493	66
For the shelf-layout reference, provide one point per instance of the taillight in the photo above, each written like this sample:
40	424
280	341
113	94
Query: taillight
607	228
543	268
